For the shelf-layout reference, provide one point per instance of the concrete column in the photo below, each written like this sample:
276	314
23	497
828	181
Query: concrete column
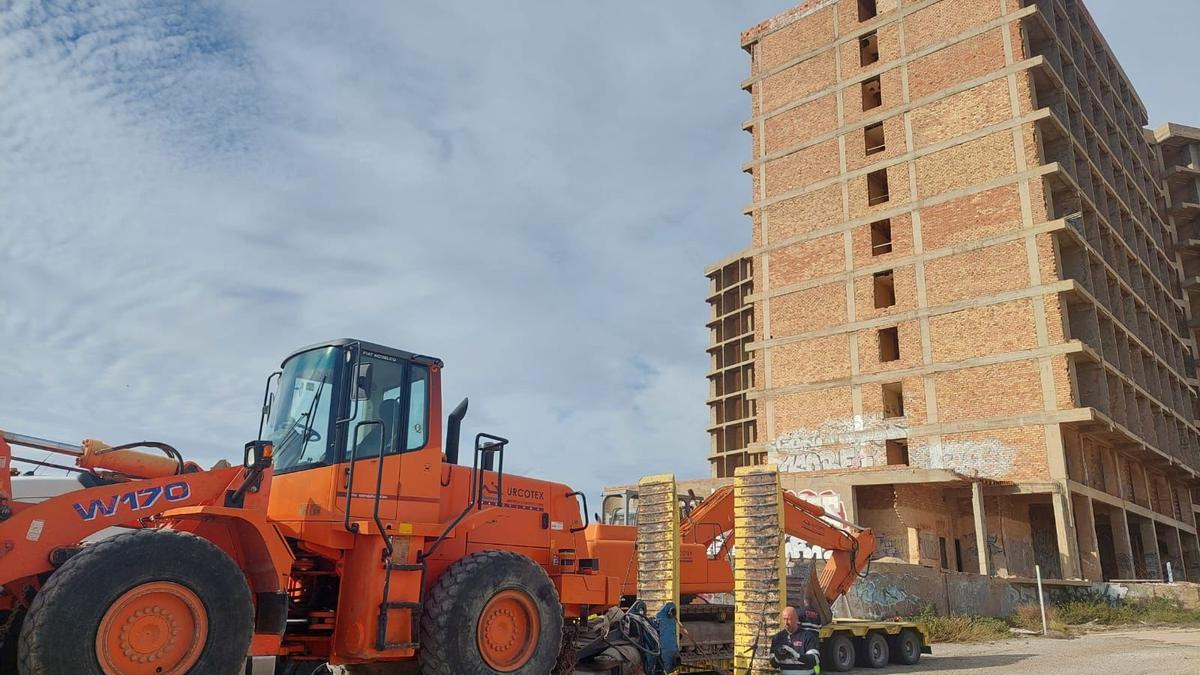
1194	149
1119	520
1149	547
1170	536
1181	573
981	538
1085	533
1191	555
1068	549
1001	561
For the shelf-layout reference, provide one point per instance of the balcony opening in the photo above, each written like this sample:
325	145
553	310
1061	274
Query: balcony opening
873	138
893	400
881	237
872	94
877	187
885	289
867	10
868	48
889	344
897	452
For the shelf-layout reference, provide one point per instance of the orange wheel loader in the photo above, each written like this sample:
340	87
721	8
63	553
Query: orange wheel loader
351	534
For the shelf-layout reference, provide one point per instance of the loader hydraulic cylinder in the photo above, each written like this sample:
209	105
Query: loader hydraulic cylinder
97	455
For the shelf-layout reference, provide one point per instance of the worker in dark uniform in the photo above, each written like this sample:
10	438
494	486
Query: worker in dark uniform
795	650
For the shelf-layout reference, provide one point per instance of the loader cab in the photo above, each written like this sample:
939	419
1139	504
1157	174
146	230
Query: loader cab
349	398
346	411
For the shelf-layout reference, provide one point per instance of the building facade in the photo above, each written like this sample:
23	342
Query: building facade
965	301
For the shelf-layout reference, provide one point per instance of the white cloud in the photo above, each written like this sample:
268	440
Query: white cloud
528	190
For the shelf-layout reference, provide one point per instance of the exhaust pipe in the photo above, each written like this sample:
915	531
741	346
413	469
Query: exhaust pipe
453	427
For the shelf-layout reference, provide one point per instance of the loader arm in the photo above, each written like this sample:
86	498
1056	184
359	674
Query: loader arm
34	531
851	546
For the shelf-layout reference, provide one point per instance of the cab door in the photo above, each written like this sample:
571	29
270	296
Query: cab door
387	418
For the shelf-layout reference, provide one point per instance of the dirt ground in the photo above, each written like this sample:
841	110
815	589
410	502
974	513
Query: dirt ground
1165	650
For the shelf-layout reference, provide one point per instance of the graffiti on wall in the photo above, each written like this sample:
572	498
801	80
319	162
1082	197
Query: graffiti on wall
861	441
928	545
885	547
857	442
883	595
989	458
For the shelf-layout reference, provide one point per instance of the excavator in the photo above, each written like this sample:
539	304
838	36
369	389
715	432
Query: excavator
351	534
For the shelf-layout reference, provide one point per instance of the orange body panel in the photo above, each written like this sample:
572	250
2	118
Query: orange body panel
34	531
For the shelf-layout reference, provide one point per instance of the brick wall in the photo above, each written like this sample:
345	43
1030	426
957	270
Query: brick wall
927	173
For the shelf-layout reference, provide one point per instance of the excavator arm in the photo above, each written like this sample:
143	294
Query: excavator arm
851	545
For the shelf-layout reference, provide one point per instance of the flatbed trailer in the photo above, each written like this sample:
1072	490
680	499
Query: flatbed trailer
846	643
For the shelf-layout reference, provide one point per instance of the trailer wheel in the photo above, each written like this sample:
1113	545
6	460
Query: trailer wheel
838	653
491	612
906	647
148	601
873	650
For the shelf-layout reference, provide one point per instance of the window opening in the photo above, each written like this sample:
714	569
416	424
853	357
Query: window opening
873	140
867	10
872	94
868	48
893	400
897	452
885	289
881	237
889	344
877	187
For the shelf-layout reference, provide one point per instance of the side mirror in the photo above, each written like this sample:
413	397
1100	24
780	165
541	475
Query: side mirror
362	381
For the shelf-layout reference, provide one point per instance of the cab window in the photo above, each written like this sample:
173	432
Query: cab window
378	395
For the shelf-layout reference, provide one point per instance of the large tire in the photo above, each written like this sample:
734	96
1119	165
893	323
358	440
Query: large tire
149	600
837	653
873	650
906	647
491	613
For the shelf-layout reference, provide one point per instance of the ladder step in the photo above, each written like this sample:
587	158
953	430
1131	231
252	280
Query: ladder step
401	645
403	605
404	567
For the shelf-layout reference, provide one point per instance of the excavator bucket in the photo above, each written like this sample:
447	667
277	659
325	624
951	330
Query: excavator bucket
814	597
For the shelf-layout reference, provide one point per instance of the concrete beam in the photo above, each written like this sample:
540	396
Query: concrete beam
1135	509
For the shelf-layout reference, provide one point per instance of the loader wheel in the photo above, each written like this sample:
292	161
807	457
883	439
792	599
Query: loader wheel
149	602
491	612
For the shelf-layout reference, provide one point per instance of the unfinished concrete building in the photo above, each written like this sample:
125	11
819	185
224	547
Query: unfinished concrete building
963	315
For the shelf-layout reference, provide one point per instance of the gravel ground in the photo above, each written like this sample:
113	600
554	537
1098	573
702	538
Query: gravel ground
1163	650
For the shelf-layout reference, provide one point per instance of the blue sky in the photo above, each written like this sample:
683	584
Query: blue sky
529	190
